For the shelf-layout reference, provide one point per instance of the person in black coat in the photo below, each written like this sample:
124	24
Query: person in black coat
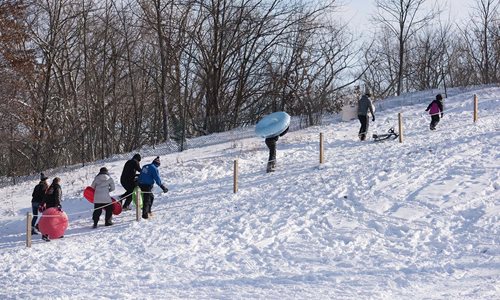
37	198
53	195
128	178
271	144
52	198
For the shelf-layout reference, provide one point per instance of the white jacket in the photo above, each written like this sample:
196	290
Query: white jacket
103	184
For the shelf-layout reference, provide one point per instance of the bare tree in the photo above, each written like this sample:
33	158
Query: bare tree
481	38
403	18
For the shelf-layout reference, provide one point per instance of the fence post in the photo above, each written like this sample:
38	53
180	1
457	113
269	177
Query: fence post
475	108
400	117
321	153
235	176
29	217
137	204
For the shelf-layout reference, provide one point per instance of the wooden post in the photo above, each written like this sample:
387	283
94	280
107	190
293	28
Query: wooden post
235	177
137	204
400	117
321	153
29	217
475	108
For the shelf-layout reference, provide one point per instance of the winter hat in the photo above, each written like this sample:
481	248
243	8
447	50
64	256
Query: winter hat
156	161
43	177
137	157
439	97
103	170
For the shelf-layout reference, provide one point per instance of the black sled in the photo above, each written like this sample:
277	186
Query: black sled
382	137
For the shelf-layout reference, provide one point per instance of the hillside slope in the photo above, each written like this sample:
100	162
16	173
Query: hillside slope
416	220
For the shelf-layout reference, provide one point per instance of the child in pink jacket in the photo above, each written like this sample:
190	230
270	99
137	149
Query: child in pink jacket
435	109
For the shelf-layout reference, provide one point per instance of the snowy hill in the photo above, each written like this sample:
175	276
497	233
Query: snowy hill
389	220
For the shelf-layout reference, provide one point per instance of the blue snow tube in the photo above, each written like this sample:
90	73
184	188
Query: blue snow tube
273	124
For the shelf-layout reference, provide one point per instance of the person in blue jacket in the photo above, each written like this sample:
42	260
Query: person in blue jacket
147	178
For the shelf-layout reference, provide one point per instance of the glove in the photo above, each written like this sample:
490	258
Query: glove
164	188
373	119
41	207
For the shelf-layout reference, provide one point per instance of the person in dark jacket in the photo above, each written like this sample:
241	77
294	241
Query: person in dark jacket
37	198
149	175
364	105
129	178
53	195
102	184
271	144
435	109
52	198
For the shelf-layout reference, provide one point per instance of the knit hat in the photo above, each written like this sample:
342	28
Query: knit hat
137	157
43	177
439	97
103	170
156	161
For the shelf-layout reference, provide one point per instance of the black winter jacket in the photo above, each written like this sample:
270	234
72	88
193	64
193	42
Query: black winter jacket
129	172
53	196
39	192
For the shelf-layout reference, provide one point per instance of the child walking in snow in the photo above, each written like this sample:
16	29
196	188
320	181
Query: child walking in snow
435	109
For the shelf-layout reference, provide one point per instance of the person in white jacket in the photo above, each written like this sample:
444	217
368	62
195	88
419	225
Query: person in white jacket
103	184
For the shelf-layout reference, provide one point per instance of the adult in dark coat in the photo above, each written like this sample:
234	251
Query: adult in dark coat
37	198
129	178
435	109
52	198
364	105
271	144
53	195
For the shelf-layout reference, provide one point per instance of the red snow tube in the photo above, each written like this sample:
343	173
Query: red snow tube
117	207
53	223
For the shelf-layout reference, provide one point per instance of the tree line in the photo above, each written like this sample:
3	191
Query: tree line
81	80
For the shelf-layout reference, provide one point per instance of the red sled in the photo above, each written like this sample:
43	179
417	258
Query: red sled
88	193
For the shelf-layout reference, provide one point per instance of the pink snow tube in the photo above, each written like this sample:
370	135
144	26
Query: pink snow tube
53	223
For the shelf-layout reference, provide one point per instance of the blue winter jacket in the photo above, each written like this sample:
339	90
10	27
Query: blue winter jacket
149	175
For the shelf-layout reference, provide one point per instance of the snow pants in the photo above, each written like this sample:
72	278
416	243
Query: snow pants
434	121
98	207
363	130
147	200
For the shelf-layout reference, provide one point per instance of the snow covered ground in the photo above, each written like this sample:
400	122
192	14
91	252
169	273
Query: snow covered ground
389	220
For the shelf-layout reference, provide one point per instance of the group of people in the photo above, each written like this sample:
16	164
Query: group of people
132	176
435	110
45	196
365	105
